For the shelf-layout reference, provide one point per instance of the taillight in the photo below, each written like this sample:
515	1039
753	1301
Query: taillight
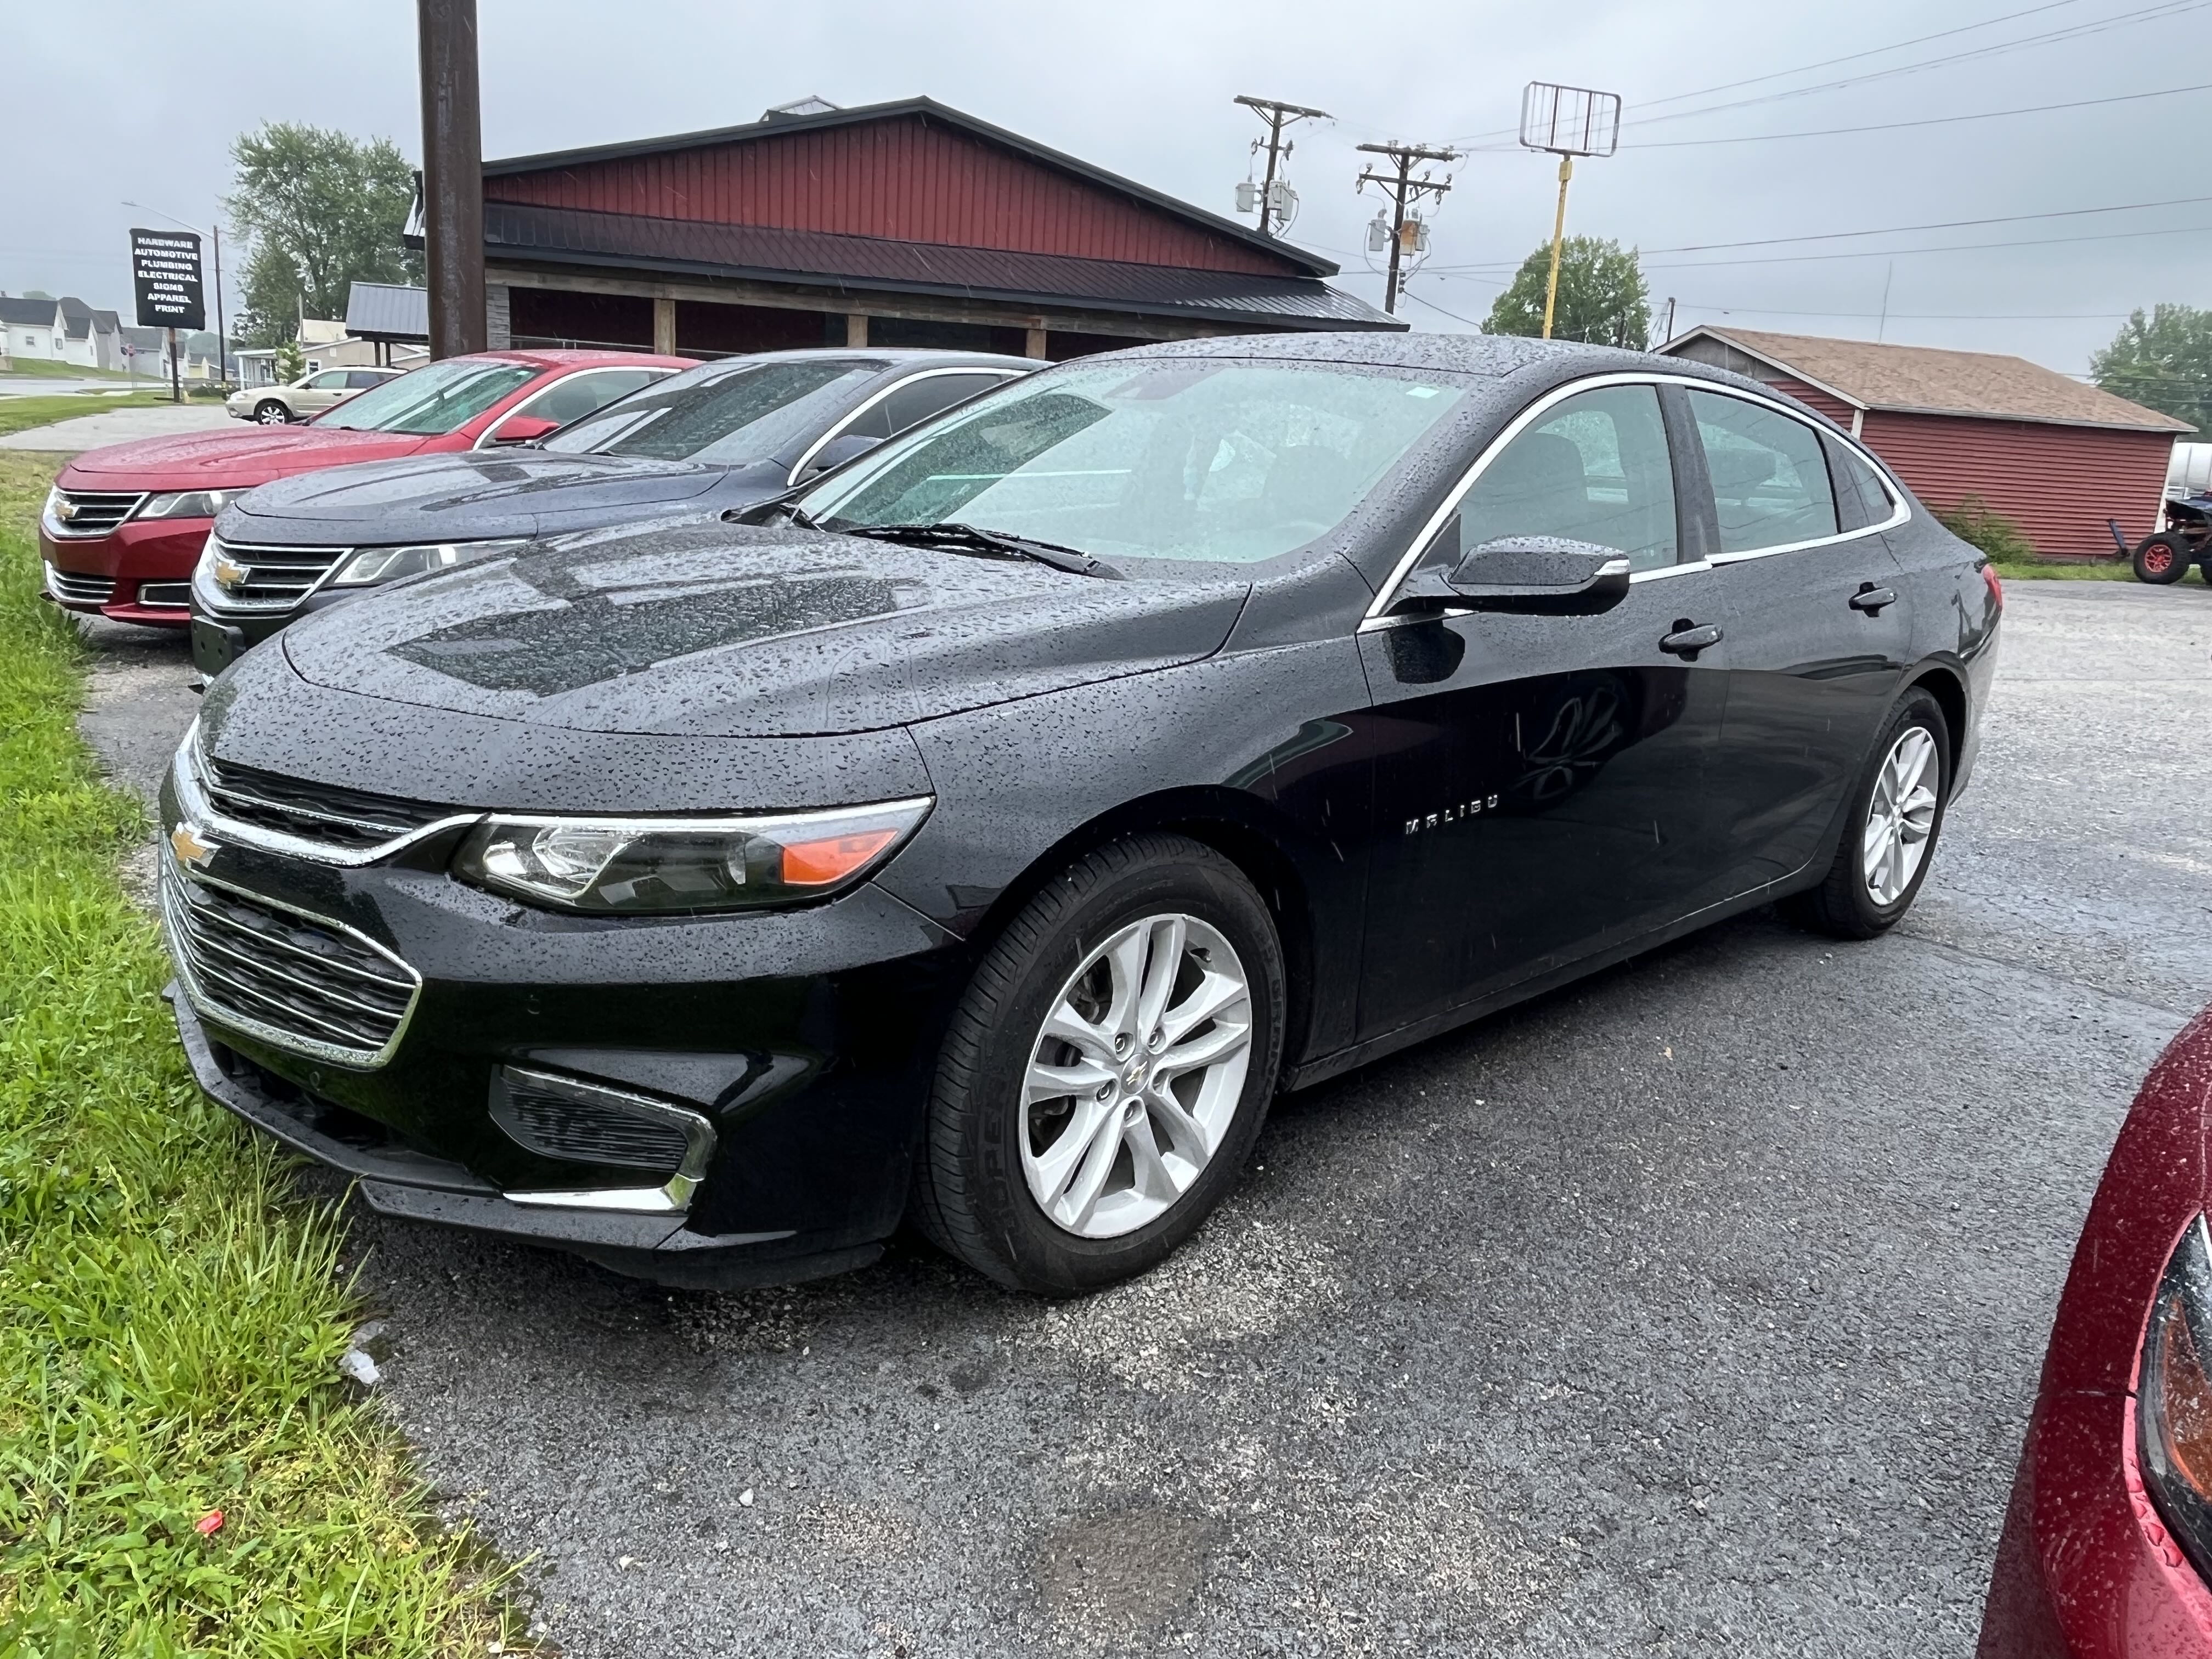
1996	588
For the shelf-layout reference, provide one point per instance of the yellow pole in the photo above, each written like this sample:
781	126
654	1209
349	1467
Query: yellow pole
1558	235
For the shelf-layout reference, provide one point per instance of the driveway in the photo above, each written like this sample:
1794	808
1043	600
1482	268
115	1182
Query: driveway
118	426
1695	1308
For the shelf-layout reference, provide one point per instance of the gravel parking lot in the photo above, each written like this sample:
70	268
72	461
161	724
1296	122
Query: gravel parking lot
1695	1308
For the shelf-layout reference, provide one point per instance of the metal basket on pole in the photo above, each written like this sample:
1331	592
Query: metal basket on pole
1567	122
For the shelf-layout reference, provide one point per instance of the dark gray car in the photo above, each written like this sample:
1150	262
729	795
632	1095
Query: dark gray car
726	433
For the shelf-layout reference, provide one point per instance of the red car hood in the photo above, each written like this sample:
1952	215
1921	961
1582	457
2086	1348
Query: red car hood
231	460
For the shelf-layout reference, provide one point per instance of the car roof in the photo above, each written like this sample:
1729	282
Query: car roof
561	357
1493	355
900	357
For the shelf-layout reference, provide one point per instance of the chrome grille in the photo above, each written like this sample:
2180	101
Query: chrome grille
276	578
178	594
298	981
314	811
79	589
92	512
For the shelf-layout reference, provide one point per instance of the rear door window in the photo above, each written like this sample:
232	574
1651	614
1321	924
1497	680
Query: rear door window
577	395
1769	475
1861	501
915	402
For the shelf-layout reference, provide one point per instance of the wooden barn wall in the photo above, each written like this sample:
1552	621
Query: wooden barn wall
903	178
2059	483
1813	398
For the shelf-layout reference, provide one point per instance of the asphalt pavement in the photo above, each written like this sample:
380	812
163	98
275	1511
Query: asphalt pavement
1694	1309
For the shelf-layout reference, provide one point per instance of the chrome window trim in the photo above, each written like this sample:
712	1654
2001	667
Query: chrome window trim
838	430
194	802
1377	615
551	386
1659	572
356	1060
671	1198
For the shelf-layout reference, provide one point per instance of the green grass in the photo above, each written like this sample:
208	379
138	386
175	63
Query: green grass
44	369
21	414
171	1315
2063	570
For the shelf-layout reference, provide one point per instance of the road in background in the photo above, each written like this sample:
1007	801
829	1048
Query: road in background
1694	1309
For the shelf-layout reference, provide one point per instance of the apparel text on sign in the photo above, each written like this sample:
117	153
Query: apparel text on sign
165	270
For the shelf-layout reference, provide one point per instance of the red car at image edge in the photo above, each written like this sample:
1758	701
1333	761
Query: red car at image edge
2107	1543
123	526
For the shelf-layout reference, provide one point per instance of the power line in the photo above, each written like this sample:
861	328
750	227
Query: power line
1929	121
1947	247
1923	316
1825	63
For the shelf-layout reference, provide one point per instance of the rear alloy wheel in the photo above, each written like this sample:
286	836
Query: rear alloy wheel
270	412
1897	813
1108	1070
2161	559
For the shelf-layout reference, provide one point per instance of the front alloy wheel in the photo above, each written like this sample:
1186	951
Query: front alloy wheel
1136	1076
1107	1070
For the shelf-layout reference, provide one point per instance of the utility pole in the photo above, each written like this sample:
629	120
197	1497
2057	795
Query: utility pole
1404	190
1278	116
1669	334
452	175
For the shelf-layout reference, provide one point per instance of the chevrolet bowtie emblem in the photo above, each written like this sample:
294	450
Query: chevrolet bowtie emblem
186	844
231	576
66	510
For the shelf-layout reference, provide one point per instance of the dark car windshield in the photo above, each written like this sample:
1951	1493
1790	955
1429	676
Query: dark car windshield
1185	459
431	401
723	413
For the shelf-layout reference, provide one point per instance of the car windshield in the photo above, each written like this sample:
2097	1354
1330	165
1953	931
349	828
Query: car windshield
432	400
1197	460
723	413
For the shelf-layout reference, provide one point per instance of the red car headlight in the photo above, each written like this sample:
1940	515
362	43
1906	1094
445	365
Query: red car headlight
2173	1398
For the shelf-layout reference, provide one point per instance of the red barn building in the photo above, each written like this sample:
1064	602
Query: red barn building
2059	459
898	224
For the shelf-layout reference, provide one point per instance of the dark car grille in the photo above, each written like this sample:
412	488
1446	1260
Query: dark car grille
78	589
277	577
297	982
350	818
580	1124
94	512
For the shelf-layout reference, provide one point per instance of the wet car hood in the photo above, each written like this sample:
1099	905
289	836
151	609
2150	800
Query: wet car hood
240	459
468	496
706	629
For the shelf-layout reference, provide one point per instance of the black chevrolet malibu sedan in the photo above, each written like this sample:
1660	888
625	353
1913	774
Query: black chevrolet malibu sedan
722	434
986	832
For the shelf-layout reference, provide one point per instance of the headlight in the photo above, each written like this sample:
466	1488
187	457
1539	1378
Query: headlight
646	867
389	564
188	504
2173	1399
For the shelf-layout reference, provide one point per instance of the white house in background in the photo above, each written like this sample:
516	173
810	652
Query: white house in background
63	330
325	344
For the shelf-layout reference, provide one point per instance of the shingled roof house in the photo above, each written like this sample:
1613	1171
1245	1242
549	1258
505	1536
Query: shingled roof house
65	331
905	224
2061	460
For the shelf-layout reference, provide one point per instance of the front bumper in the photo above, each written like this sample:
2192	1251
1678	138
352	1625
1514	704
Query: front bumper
807	1038
136	556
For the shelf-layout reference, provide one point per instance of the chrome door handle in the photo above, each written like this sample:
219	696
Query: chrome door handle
1688	639
1871	599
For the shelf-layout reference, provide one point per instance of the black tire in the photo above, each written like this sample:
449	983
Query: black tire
1841	906
972	1197
270	412
2161	559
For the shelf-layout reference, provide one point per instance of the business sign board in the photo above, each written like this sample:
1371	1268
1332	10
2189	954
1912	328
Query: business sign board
165	270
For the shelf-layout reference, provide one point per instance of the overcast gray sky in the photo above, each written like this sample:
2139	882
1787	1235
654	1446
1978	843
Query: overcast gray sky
111	99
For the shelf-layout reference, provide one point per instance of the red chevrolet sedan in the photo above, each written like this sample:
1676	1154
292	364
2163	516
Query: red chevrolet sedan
2107	1544
124	526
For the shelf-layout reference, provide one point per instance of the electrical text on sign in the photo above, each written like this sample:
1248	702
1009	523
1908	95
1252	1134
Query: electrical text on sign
165	270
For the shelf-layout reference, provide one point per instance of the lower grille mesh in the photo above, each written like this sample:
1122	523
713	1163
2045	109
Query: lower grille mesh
581	1124
82	590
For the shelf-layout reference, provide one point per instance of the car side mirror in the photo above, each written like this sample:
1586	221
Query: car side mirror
839	450
523	429
1532	575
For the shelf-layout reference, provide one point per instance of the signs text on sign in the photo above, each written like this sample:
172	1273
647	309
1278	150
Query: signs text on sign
165	270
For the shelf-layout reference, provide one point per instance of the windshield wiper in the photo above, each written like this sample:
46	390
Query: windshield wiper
955	535
758	513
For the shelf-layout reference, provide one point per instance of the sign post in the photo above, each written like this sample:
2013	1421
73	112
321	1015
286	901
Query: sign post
165	274
1568	122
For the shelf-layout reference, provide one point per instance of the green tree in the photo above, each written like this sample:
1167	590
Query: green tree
1602	298
2163	360
323	211
290	363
